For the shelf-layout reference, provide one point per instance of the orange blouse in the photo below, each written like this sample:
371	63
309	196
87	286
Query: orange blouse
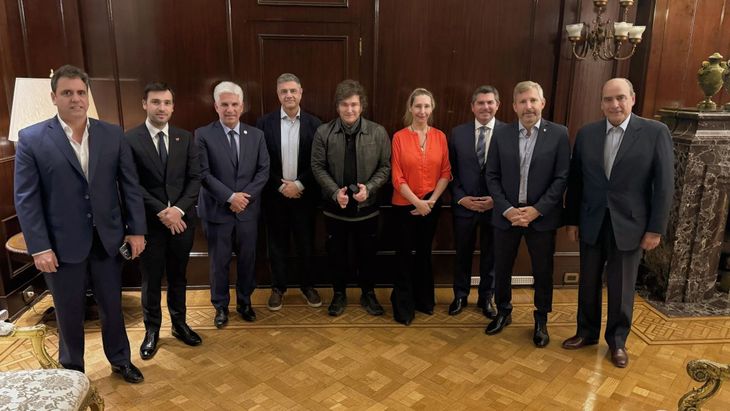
421	170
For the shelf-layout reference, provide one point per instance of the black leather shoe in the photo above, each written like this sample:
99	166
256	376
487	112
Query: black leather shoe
129	372
496	326
247	312
338	304
541	337
185	334
457	305
619	357
221	318
487	306
370	302
149	345
575	342
404	322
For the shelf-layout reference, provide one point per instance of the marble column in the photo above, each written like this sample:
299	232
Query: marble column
684	267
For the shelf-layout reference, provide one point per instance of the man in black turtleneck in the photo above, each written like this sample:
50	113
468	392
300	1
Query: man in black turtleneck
351	161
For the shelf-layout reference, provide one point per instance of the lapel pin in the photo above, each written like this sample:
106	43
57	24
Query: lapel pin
245	131
177	138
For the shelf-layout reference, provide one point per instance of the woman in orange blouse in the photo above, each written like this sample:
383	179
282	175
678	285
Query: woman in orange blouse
421	172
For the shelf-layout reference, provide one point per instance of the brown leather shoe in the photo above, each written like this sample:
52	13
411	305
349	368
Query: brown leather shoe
576	341
619	357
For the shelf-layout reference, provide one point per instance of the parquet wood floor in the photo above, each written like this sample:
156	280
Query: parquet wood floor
300	358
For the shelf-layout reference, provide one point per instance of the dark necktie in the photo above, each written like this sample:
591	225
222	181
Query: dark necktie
481	146
232	138
162	148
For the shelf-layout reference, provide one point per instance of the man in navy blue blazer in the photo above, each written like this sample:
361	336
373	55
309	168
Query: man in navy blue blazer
527	171
234	167
78	200
291	194
619	196
471	203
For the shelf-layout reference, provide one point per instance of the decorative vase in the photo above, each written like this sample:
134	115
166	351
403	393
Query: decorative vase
710	79
726	76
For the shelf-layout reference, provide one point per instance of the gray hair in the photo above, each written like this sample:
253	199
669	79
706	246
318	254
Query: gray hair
523	86
288	77
227	87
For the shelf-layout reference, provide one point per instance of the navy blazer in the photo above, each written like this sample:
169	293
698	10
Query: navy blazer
179	184
546	180
220	179
58	208
468	175
271	126
639	193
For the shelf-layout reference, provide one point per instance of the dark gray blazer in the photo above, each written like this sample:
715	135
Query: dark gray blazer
639	193
547	178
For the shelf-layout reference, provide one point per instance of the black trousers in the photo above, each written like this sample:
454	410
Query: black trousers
287	218
621	271
413	286
165	255
364	237
465	234
541	246
68	287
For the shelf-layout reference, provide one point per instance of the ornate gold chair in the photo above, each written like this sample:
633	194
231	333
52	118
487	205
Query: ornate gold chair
50	388
709	372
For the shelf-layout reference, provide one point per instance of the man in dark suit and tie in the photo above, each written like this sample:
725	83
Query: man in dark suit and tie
619	196
291	193
234	167
471	202
527	170
169	174
78	200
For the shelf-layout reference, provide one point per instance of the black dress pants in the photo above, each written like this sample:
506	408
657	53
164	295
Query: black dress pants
541	246
287	218
413	286
364	237
165	255
621	271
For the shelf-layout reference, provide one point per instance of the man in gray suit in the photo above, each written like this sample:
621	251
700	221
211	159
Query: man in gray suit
619	195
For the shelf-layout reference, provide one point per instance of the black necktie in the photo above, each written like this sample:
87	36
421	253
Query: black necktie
232	137
162	148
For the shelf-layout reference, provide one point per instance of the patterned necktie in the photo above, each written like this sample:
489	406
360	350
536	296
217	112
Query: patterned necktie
481	146
232	137
162	148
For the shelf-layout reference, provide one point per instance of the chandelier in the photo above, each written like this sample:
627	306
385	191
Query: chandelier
603	40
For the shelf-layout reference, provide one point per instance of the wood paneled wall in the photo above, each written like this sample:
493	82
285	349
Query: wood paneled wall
391	46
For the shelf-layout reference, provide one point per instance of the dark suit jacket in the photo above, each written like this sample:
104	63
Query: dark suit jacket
468	176
639	193
546	180
180	184
219	177
271	126
58	208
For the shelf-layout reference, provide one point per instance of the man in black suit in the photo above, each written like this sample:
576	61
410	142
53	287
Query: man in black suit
619	193
471	202
527	170
78	200
167	164
234	167
291	193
